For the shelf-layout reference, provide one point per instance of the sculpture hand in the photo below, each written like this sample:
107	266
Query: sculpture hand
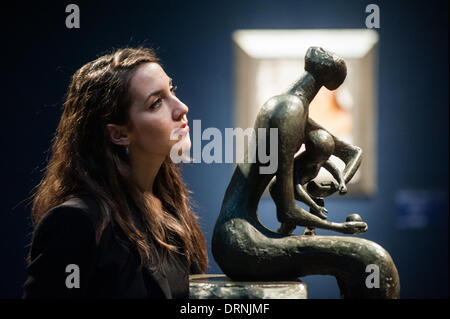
353	228
329	185
323	189
319	211
342	189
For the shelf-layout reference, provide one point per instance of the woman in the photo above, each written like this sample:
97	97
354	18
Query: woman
112	214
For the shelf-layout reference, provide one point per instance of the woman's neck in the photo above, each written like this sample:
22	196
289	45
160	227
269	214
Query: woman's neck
144	170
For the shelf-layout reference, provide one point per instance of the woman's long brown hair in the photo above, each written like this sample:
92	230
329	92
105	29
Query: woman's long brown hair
84	160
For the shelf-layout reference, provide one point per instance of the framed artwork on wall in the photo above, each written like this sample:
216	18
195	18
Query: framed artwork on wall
266	62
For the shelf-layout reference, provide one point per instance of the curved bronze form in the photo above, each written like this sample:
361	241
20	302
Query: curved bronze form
246	250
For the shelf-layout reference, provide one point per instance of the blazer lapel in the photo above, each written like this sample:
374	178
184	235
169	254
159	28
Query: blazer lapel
161	279
159	276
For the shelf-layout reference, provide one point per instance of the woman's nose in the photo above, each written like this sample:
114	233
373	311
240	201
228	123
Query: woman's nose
180	110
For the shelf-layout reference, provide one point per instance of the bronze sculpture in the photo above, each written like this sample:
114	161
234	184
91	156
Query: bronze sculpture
247	250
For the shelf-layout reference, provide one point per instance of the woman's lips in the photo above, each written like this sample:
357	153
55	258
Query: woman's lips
184	129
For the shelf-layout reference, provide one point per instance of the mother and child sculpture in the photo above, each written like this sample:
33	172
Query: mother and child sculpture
246	250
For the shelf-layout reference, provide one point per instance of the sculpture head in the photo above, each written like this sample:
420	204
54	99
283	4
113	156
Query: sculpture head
326	67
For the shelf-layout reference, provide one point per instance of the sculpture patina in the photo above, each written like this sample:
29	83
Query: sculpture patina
246	250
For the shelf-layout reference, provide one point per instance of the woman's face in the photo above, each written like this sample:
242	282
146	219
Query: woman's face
156	114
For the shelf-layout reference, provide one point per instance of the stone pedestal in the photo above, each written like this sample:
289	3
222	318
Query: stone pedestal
221	287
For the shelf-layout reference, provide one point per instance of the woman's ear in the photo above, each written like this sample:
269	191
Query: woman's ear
118	134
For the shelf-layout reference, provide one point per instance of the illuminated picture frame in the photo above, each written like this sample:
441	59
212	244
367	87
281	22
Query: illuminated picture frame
266	62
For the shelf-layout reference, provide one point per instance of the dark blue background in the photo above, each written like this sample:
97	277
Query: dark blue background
193	39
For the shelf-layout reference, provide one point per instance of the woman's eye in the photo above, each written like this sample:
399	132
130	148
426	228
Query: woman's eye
158	101
156	104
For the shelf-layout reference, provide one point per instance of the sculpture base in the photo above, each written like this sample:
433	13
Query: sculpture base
209	286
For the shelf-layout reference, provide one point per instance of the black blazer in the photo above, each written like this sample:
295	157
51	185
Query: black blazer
66	235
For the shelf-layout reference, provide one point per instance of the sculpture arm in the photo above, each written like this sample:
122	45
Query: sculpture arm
303	196
351	155
303	218
337	174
